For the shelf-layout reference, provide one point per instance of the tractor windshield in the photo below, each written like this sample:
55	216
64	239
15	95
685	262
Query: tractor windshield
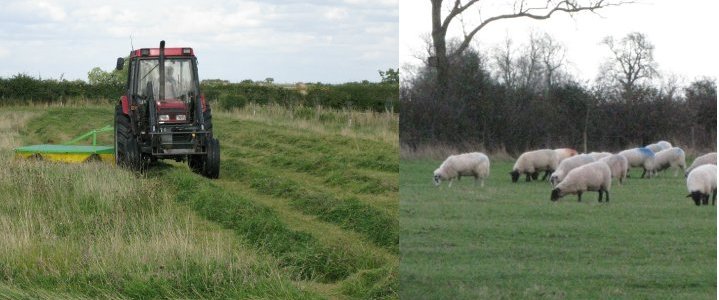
178	79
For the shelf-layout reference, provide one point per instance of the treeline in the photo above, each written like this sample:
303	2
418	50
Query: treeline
498	103
22	89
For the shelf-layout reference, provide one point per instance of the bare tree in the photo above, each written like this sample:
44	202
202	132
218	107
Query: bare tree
504	62
632	61
522	9
553	56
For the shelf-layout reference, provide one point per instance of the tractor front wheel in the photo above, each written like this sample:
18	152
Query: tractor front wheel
212	161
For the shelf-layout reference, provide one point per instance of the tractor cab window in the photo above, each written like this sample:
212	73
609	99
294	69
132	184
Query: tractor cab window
178	79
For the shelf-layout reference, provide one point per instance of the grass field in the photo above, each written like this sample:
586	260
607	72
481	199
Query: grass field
306	207
508	241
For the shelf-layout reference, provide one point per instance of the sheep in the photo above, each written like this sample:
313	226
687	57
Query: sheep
532	162
594	176
618	165
468	164
567	165
672	157
700	182
659	146
639	157
564	153
709	158
599	155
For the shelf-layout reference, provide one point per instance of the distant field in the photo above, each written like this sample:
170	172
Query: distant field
508	241
305	207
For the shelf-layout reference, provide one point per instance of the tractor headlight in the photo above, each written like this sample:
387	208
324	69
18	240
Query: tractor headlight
180	117
164	117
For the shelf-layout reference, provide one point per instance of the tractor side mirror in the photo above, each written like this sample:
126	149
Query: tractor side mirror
120	63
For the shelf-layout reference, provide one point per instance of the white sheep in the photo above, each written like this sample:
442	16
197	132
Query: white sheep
594	176
672	157
468	164
639	157
659	146
618	165
533	162
567	165
709	158
701	182
599	155
564	153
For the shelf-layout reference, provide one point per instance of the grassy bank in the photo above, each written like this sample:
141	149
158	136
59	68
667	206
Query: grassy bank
508	241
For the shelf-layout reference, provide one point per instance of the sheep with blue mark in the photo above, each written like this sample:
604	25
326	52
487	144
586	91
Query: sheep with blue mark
639	157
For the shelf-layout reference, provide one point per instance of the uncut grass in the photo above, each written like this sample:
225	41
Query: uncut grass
65	228
509	241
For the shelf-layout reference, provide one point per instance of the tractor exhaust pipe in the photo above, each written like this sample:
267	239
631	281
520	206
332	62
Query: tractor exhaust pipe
161	95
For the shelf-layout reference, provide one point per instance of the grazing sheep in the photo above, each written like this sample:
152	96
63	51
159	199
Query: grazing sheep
639	157
702	181
564	153
532	162
594	176
709	158
567	165
468	164
659	146
599	155
618	165
672	157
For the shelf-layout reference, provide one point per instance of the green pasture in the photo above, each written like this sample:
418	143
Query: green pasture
509	241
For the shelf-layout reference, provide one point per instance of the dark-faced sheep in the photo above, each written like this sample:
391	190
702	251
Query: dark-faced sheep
533	162
594	176
701	182
468	164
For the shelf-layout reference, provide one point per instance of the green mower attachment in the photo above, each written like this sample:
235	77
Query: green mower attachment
68	152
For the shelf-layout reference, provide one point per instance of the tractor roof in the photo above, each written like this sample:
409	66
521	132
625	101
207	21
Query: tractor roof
155	52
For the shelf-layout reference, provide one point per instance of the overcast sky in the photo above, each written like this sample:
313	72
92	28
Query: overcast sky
288	40
684	33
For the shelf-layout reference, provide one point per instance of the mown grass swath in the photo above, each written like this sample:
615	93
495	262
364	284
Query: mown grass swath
285	219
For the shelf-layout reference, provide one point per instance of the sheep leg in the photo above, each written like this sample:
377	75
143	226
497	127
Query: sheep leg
606	196
546	173
528	177
714	197
450	182
600	195
535	175
705	199
644	172
579	197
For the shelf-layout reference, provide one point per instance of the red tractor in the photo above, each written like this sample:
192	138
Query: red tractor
163	115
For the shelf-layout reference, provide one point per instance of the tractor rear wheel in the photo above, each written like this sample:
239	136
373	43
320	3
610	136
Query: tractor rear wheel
127	152
122	132
212	161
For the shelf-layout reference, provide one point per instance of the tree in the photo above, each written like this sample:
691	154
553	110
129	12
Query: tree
522	9
390	76
632	61
114	77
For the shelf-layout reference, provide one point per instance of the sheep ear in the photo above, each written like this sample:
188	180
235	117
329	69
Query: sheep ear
689	195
